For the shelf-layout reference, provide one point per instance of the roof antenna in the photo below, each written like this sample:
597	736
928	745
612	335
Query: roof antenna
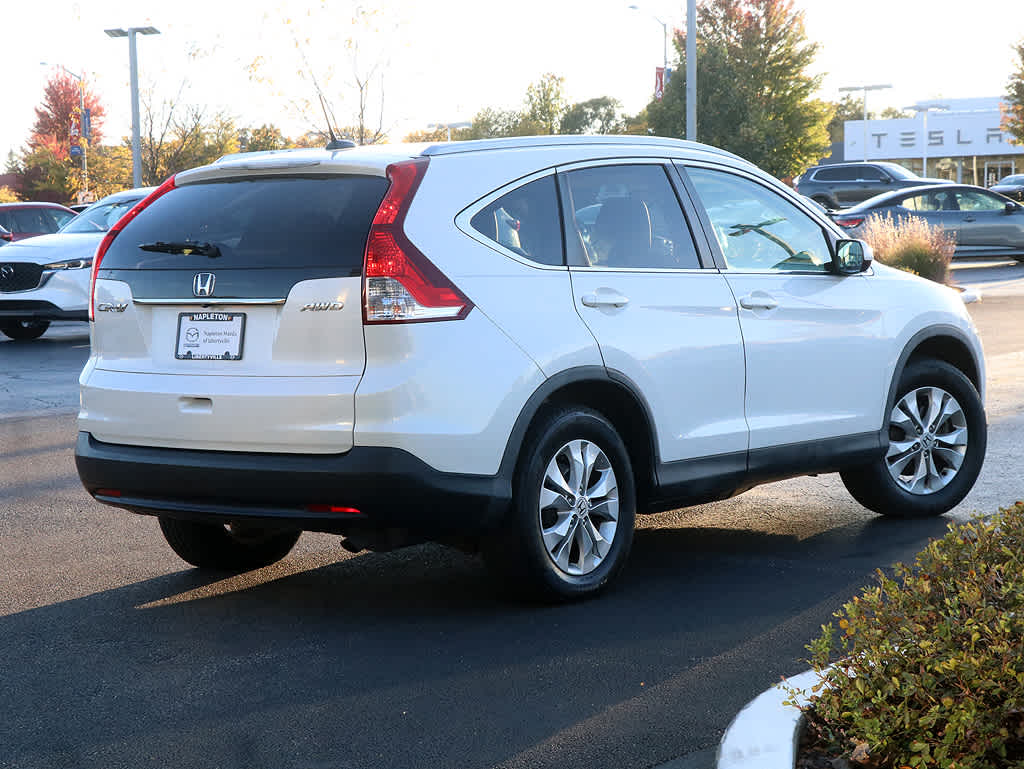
335	143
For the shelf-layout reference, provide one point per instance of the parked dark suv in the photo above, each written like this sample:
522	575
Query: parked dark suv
845	184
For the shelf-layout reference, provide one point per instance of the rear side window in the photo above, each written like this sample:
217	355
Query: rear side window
841	174
525	221
628	217
265	222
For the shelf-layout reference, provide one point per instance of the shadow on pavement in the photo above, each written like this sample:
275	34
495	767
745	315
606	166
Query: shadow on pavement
408	659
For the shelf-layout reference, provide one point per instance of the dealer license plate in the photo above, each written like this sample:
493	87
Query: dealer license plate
210	336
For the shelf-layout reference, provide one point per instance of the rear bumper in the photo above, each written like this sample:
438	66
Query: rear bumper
34	309
390	487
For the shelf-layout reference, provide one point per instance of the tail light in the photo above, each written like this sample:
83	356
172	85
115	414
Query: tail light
113	232
5	235
400	285
848	221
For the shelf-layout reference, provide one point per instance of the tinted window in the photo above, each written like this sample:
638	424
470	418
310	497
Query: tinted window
629	216
838	174
525	221
37	220
975	200
278	222
758	229
100	217
872	174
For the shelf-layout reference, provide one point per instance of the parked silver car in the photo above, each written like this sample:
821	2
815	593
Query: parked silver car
981	221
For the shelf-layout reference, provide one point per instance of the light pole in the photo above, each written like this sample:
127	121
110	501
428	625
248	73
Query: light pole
691	70
133	64
923	107
664	38
865	89
84	195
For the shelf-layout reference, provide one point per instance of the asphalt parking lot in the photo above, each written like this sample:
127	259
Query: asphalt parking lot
116	654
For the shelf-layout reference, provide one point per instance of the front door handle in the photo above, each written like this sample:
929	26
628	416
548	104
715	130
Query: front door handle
604	298
969	219
758	302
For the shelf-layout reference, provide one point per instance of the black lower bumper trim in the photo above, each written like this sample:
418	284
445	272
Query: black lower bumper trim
389	487
35	309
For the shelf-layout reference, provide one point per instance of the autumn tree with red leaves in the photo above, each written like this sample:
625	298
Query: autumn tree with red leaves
58	110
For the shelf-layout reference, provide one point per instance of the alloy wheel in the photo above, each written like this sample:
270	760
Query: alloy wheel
579	507
927	440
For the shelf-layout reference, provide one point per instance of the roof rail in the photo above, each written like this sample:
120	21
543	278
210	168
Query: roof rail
569	140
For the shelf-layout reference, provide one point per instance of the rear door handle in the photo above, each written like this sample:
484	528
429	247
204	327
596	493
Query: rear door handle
758	302
604	298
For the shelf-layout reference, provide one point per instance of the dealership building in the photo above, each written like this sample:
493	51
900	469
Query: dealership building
958	139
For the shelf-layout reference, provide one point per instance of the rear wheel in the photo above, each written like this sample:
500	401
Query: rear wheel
231	547
571	524
24	329
937	438
826	201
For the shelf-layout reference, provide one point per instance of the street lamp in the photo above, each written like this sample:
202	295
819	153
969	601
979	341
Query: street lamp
133	65
865	89
664	29
923	107
84	195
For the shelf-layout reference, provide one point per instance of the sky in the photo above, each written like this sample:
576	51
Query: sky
441	61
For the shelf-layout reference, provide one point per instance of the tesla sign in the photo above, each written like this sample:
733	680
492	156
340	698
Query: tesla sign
946	134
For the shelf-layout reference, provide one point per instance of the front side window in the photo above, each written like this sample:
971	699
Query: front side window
872	174
758	229
525	221
973	200
629	217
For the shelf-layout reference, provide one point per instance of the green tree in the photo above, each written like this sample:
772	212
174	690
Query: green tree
266	137
490	122
177	136
847	108
754	92
7	195
545	102
594	116
1013	110
110	169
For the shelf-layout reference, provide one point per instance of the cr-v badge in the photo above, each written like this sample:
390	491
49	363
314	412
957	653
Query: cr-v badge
110	307
322	306
202	283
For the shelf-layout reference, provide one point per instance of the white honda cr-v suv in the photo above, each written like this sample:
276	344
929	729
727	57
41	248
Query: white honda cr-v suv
515	344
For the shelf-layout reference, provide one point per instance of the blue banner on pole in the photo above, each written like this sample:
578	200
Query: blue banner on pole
87	124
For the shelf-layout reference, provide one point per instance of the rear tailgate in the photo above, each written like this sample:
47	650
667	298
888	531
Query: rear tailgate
228	316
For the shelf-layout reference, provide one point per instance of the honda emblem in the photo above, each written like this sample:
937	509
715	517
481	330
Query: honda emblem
202	283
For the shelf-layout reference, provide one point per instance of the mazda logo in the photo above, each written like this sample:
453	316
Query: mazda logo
6	272
202	283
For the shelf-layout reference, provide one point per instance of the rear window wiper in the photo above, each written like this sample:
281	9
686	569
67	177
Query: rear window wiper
186	247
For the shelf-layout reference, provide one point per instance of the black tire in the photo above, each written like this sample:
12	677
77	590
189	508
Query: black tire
874	486
227	548
24	329
826	201
515	552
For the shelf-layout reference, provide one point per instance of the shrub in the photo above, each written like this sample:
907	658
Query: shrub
910	244
933	661
7	195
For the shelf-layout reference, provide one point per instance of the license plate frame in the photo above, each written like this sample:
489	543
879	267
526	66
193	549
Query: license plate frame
205	330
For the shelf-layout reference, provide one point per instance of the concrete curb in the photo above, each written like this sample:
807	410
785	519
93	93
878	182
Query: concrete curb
766	733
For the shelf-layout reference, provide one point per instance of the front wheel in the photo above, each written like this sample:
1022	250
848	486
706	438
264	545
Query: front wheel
24	329
574	504
937	438
227	547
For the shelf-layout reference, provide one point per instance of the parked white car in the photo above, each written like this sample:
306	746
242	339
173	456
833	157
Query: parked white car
46	278
516	344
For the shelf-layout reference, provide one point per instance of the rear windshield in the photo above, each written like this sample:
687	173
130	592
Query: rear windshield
265	222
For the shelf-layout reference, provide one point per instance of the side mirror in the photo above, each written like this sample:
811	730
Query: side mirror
852	257
1011	206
